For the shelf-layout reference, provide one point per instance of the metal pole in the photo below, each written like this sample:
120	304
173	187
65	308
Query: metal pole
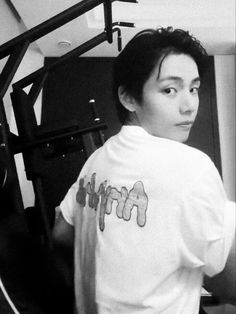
49	25
22	146
108	19
73	53
11	67
6	148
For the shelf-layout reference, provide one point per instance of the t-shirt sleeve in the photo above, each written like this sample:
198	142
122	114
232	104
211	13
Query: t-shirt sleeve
206	224
69	204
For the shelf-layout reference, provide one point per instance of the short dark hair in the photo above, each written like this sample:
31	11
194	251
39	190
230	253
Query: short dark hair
135	63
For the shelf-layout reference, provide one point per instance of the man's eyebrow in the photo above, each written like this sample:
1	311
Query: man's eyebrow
177	78
196	79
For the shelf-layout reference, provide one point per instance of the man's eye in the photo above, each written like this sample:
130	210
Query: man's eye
169	90
194	90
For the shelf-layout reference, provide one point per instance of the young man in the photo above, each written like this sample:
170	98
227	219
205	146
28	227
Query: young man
148	214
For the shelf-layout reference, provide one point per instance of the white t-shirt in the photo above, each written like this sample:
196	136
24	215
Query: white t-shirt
151	217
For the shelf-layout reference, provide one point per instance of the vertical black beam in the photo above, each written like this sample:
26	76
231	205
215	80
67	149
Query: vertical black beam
215	119
26	124
36	87
96	119
40	203
12	171
119	39
108	19
24	114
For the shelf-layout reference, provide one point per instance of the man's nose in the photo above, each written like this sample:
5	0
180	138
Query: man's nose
189	103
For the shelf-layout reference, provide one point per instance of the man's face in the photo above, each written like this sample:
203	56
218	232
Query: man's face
170	98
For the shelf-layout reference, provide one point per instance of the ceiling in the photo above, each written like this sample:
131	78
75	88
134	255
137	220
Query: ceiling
211	21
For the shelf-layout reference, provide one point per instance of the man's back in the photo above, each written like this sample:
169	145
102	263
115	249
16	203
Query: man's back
154	224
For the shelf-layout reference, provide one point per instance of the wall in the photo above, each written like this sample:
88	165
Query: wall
225	90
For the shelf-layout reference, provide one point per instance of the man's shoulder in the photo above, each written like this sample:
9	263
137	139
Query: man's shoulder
181	152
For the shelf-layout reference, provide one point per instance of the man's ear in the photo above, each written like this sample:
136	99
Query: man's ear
126	99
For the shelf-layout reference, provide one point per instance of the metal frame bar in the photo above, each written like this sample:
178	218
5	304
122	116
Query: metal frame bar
25	145
11	67
28	141
49	25
108	19
46	27
6	147
90	44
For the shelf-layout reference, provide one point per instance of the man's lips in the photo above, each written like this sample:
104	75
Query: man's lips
185	123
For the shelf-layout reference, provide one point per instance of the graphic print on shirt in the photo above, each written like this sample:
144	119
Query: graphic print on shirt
126	200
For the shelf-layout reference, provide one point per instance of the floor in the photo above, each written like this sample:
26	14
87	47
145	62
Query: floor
221	309
211	305
27	272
